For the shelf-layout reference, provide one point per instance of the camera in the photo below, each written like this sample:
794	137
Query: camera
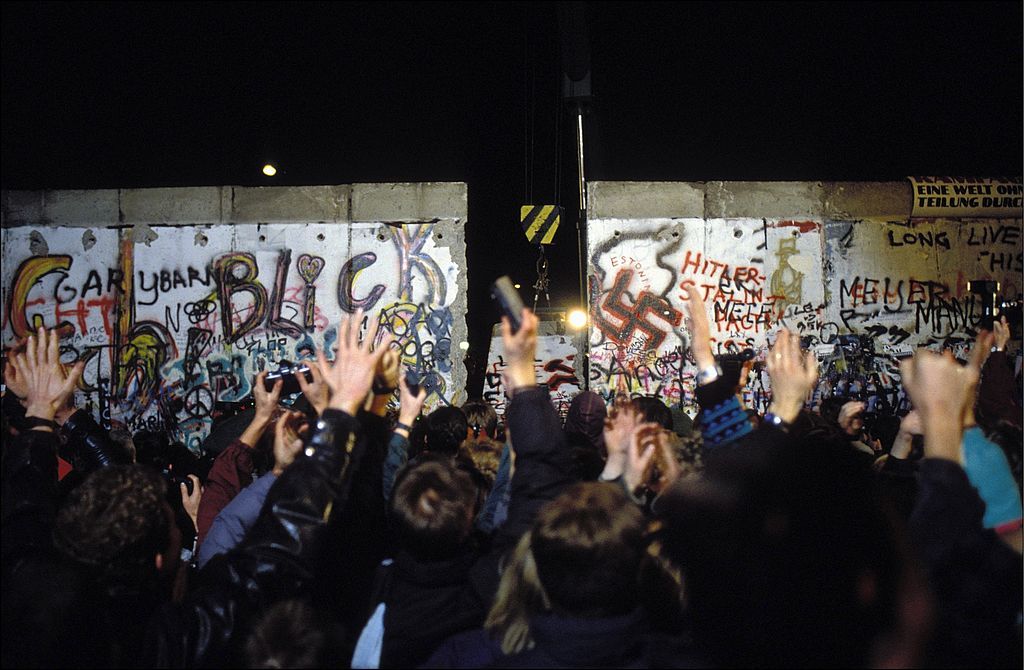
732	364
413	380
994	305
174	483
508	299
857	346
286	370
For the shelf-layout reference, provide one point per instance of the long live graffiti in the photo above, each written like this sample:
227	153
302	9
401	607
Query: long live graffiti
174	330
861	294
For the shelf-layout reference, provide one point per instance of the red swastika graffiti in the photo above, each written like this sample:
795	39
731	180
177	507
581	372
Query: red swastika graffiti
634	318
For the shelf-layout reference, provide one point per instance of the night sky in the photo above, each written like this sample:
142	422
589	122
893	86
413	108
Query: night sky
188	94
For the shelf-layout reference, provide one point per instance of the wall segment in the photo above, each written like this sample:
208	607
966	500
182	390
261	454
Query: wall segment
177	297
843	264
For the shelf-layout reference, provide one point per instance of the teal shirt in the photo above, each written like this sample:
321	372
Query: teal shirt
989	472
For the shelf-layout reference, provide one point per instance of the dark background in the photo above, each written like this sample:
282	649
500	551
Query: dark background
113	95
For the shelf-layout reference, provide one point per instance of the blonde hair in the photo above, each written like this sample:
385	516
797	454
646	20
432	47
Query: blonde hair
520	596
581	557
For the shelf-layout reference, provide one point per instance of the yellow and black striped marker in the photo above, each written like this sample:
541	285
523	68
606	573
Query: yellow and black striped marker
540	222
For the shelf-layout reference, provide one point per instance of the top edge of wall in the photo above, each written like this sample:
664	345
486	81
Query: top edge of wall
343	203
733	199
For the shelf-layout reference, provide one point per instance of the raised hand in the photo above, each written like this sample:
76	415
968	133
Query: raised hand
851	418
666	470
191	501
288	430
622	420
941	390
643	445
700	329
350	375
520	349
386	375
266	409
316	391
903	444
1001	333
410	404
793	374
266	401
13	380
47	384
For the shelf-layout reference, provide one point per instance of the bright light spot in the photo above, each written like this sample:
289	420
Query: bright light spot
577	318
464	345
269	170
517	285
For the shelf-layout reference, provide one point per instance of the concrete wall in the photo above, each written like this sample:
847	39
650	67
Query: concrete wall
555	366
824	259
177	297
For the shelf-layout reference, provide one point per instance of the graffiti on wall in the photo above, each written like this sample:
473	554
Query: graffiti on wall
174	330
861	294
554	367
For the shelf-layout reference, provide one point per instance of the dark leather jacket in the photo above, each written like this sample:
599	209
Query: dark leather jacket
275	561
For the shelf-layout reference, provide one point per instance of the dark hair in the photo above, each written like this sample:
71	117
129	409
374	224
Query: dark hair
485	458
115	522
445	430
480	416
432	508
788	556
588	545
654	410
830	407
286	636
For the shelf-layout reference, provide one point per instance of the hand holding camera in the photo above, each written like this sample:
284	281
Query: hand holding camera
411	397
290	374
509	301
266	396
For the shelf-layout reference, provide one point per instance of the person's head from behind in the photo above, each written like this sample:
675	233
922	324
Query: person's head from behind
845	413
288	635
588	544
585	419
432	508
118	523
654	410
445	430
481	419
788	558
581	559
485	456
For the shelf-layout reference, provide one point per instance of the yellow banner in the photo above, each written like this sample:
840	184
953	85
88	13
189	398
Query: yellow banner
957	197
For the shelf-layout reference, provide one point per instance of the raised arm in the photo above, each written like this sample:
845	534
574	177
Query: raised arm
276	559
29	476
543	463
232	470
976	578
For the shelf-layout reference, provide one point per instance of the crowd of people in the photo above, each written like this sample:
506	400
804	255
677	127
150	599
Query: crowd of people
332	532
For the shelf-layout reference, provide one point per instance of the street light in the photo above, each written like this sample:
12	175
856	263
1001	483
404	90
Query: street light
577	319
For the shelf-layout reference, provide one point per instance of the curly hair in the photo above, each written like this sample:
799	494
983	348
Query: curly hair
115	522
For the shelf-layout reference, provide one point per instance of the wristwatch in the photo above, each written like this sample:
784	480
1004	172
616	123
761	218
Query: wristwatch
773	419
708	375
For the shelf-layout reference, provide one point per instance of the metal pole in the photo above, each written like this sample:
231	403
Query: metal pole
581	241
